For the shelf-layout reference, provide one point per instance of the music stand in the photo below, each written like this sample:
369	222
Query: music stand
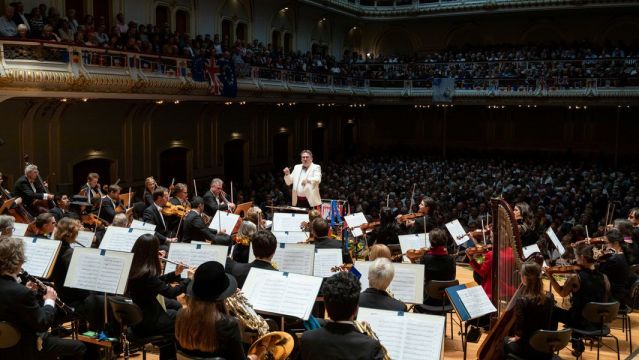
243	208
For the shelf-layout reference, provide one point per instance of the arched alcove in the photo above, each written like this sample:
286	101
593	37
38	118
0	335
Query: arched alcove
162	15
182	21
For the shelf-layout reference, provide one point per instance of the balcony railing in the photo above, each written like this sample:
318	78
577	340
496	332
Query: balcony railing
60	67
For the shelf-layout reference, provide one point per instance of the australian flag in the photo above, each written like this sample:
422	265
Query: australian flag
227	77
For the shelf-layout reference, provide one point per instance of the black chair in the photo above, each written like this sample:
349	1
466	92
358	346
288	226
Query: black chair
183	356
127	314
599	314
437	290
624	313
548	342
9	335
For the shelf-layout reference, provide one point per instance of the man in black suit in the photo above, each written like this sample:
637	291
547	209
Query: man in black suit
319	229
29	190
194	228
214	199
20	307
264	245
153	215
62	201
380	275
339	339
110	203
92	189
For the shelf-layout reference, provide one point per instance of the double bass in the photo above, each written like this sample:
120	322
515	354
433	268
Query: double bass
45	204
17	210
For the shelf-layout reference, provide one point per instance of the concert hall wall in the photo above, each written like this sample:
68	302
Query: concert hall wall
132	135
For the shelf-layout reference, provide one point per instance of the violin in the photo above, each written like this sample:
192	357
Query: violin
370	225
343	267
174	210
92	221
241	240
562	269
407	217
590	241
479	250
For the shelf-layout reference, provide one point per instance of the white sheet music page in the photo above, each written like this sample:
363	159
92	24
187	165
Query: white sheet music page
281	293
40	255
137	224
288	221
84	239
407	285
224	220
324	260
476	301
413	241
290	237
555	240
457	231
99	270
531	249
355	220
294	258
121	239
194	255
407	336
19	229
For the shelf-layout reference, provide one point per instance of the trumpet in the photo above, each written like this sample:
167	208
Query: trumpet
42	289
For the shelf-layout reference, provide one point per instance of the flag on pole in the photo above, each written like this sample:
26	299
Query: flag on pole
213	76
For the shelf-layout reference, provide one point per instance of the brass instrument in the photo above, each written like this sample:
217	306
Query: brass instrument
277	345
365	328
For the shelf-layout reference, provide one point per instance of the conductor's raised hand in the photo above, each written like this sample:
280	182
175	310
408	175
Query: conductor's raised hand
287	171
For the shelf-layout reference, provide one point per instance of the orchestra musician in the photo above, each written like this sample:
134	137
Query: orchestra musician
305	178
180	195
194	228
533	308
243	238
380	274
339	337
91	190
153	215
203	328
146	283
120	220
20	306
616	268
62	201
526	222
322	241
27	188
426	207
110	203
215	200
264	245
589	285
438	264
379	251
149	187
6	195
44	226
388	230
77	207
6	225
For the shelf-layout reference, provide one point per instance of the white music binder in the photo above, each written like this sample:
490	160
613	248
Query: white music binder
121	239
99	270
40	255
407	285
288	221
194	255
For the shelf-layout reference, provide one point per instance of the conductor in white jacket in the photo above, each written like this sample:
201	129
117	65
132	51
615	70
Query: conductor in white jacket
305	179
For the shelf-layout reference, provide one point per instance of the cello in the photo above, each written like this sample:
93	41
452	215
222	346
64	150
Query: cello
18	211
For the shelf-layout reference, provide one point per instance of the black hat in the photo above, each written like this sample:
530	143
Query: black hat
211	283
80	200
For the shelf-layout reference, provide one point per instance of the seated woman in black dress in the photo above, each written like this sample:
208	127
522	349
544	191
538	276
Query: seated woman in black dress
525	221
533	309
243	242
380	274
438	265
387	231
616	268
203	328
146	283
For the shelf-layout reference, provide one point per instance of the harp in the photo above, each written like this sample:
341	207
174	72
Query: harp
507	259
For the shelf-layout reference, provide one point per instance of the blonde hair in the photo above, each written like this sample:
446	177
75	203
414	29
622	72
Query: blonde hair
379	251
67	230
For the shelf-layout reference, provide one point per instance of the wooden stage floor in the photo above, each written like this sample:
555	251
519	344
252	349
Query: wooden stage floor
453	347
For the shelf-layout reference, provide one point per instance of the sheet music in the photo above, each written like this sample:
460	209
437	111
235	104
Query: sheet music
357	232
555	240
407	285
137	224
40	255
413	241
281	293
355	220
224	220
476	301
290	237
407	336
19	229
99	270
121	239
531	249
294	258
194	255
324	260
84	239
457	231
288	221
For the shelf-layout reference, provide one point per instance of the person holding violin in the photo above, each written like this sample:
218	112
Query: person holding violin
77	207
426	207
91	190
388	230
180	195
179	200
194	228
153	215
243	242
589	285
62	201
44	226
215	199
110	203
614	265
380	275
31	190
533	310
438	264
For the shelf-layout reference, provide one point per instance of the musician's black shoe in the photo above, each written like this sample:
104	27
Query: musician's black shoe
474	333
578	347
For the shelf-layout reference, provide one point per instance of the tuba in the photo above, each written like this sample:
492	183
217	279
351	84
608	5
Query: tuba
365	328
276	345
